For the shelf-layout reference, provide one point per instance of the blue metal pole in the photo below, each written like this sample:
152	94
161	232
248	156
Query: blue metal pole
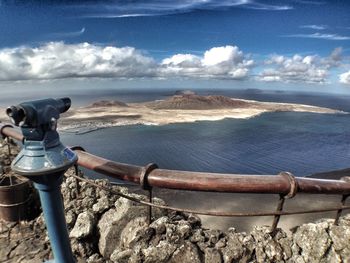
49	187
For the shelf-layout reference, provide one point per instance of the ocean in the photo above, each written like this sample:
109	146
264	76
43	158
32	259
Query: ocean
301	143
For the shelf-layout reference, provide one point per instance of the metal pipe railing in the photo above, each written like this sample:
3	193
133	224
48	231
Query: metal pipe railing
284	184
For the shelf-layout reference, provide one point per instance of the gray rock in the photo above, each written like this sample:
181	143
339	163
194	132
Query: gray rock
184	229
118	227
136	256
159	253
221	243
95	258
212	236
84	225
212	255
333	257
234	249
171	234
197	236
186	253
70	218
340	237
140	238
87	202
345	220
159	225
194	220
313	241
82	249
121	256
102	205
267	248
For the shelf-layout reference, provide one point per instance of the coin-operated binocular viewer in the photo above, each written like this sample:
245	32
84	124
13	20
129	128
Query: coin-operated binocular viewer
44	160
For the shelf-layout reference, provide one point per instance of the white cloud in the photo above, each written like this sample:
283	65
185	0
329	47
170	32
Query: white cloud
309	69
218	62
320	36
334	59
56	60
345	78
316	27
268	7
124	9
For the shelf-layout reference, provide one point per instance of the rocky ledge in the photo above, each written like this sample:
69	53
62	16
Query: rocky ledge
106	228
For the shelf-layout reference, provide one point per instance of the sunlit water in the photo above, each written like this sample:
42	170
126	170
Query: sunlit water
302	143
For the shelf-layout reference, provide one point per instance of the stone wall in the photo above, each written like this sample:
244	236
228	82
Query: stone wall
105	228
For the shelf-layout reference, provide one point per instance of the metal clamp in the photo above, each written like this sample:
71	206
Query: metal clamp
292	192
293	189
144	175
145	186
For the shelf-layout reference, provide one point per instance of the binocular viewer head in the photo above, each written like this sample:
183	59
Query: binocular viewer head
42	152
38	113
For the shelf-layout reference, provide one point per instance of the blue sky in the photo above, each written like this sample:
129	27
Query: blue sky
300	44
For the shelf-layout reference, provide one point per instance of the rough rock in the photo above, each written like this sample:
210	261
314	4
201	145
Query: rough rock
212	255
121	256
267	248
186	253
159	225
103	203
340	237
313	241
117	227
239	247
70	218
159	253
84	225
95	258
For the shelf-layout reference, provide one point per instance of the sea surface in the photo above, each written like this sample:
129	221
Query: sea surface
301	143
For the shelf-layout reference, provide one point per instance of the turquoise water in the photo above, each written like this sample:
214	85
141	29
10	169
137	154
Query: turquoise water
302	143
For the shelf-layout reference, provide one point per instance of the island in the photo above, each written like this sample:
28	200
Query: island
180	108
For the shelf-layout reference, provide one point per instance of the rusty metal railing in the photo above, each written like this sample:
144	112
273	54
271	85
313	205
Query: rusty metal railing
284	184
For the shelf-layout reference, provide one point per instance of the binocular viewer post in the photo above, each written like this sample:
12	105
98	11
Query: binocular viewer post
44	160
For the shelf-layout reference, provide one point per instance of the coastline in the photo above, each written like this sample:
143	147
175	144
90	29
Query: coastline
106	114
88	119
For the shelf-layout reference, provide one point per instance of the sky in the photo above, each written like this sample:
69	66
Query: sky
297	44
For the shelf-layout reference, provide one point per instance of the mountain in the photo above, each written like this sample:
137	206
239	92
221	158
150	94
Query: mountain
197	102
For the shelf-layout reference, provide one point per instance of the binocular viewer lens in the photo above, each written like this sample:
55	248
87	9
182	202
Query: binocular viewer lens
66	104
16	114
